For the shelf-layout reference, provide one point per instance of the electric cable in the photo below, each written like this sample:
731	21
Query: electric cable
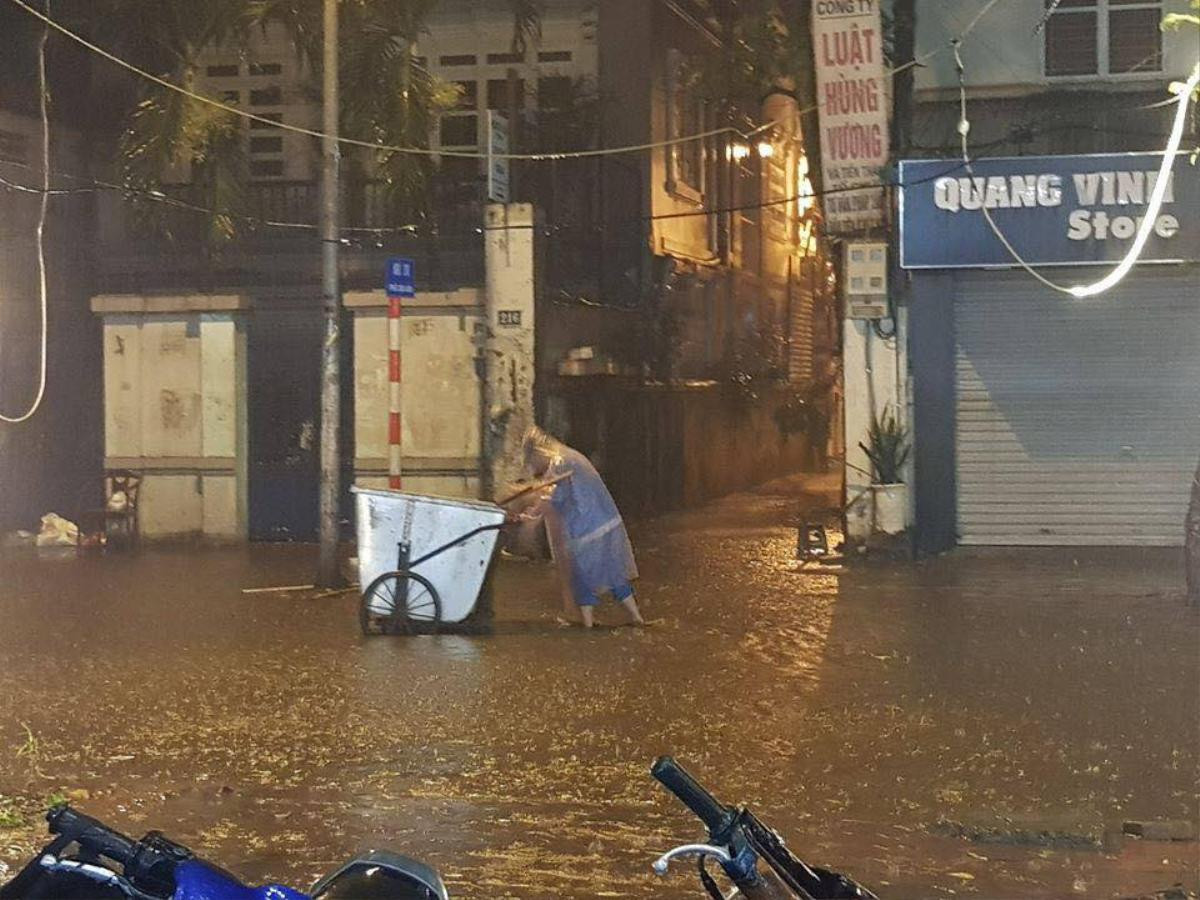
461	154
1148	220
40	240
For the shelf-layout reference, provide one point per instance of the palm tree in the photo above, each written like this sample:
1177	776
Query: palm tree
166	130
527	31
390	97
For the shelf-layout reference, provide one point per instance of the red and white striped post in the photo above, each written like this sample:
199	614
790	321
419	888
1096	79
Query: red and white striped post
399	285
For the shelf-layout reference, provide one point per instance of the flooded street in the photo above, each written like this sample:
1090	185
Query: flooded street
885	719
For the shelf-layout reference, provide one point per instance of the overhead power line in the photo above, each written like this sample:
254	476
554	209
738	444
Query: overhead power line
461	154
95	186
40	241
1148	220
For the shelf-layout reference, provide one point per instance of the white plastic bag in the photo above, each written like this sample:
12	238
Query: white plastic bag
57	532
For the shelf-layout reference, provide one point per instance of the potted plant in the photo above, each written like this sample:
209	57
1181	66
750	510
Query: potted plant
888	447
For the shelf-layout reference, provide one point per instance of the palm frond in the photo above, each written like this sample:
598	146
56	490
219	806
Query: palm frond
527	23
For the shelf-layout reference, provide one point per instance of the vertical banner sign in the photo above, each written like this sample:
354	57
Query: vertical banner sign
852	97
498	177
399	284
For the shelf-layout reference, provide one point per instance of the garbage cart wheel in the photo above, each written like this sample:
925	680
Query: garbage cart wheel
400	603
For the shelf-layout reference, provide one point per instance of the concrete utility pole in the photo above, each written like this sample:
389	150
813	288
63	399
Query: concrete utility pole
331	481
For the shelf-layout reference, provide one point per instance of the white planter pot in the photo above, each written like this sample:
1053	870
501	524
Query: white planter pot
891	507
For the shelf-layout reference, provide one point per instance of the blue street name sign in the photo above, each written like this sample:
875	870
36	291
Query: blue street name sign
399	280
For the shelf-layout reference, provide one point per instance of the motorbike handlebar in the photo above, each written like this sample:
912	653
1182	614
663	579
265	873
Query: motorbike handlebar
692	794
91	834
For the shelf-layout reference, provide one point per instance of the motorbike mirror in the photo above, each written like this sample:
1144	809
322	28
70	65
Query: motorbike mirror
380	875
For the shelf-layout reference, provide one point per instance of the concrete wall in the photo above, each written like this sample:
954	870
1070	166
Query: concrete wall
442	392
175	409
510	362
669	447
875	383
467	362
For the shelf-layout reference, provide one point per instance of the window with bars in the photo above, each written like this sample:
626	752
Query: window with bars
1103	37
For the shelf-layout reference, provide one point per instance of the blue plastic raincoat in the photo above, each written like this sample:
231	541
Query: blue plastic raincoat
597	545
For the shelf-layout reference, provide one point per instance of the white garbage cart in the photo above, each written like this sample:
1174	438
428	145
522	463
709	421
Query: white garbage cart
422	560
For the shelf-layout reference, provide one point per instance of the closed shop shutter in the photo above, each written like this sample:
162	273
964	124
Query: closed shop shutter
1078	421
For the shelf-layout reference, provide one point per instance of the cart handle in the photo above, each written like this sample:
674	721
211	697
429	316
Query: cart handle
462	539
536	486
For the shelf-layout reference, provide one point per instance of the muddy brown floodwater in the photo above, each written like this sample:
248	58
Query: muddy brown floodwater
884	719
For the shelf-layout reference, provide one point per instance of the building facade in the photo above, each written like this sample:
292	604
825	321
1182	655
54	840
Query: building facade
1041	417
687	263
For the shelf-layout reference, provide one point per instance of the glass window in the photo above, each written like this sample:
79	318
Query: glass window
1103	37
496	59
1071	43
465	59
266	69
497	94
260	144
272	96
1135	40
459	131
229	71
685	117
554	56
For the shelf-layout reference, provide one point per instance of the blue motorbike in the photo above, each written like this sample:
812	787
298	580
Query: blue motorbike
87	860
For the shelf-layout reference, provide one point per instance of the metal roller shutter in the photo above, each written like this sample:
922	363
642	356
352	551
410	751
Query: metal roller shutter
1078	421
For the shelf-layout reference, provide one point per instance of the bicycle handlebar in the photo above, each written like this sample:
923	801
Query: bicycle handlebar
692	794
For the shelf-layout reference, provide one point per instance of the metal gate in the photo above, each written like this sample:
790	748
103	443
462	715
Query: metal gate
1078	421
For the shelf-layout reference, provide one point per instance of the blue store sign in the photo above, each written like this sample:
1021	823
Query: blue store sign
1054	210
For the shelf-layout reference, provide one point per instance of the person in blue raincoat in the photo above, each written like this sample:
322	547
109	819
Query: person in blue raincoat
587	536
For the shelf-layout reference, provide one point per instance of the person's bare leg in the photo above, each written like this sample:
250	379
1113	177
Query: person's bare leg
585	613
631	607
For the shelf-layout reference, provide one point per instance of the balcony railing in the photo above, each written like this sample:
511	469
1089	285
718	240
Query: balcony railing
277	244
